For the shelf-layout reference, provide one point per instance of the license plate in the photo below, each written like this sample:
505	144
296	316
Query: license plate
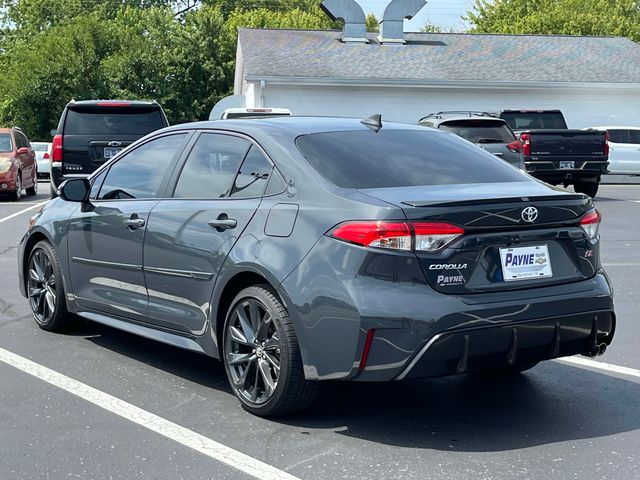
111	152
567	165
525	263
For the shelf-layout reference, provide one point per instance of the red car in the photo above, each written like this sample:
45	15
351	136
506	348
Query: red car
18	166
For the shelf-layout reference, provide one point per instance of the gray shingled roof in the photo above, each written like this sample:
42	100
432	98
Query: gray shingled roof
441	57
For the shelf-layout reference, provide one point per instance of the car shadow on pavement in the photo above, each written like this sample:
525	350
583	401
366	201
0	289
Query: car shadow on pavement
552	403
475	413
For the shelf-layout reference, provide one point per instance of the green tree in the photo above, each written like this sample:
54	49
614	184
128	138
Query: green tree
567	17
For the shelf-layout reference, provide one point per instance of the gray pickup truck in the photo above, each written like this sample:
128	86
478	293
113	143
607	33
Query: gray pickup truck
557	155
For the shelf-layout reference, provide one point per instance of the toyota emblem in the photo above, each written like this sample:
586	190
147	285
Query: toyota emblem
530	214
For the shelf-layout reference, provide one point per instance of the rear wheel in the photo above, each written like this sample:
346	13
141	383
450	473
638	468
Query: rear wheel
31	191
45	289
262	357
588	188
17	194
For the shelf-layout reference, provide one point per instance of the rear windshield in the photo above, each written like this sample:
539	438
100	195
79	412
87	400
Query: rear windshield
480	131
534	120
40	147
113	121
5	143
401	158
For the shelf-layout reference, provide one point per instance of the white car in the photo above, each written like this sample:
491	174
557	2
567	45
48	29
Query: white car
624	149
43	155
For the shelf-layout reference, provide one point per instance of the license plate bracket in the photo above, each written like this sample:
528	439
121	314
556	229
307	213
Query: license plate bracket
525	263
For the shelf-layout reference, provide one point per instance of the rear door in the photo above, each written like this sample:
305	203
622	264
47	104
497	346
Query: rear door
94	134
217	191
624	151
105	240
27	160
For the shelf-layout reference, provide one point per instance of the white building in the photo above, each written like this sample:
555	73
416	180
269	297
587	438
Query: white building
593	80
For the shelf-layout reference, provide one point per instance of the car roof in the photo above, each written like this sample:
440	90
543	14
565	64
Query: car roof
107	102
294	126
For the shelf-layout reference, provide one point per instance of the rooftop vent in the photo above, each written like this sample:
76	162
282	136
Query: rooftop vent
392	25
352	15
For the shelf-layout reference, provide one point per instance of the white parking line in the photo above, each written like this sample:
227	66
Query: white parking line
24	210
607	367
166	428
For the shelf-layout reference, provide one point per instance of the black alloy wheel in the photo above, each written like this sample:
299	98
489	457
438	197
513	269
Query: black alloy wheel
262	357
45	289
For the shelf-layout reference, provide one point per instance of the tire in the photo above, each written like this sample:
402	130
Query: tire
32	191
588	188
262	388
49	307
17	195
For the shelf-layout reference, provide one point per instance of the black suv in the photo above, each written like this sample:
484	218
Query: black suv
90	132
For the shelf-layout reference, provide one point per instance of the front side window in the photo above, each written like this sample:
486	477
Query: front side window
634	137
140	173
402	158
211	167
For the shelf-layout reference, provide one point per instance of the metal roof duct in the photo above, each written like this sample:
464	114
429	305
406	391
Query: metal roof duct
352	15
392	25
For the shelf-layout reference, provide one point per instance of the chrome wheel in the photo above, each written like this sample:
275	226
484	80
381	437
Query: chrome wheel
17	195
252	351
42	286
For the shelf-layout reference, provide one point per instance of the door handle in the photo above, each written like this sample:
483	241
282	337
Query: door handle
133	222
223	222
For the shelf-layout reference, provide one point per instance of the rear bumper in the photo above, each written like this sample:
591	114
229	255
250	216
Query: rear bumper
550	172
471	350
338	294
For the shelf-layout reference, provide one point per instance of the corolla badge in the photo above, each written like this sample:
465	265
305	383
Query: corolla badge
529	214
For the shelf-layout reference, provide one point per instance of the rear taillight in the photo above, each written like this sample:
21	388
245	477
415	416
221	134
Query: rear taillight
45	156
590	222
605	149
421	236
56	149
525	139
515	146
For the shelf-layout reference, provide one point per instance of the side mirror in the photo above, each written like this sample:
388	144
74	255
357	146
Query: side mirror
23	151
75	190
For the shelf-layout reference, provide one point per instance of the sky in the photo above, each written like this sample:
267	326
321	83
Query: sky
444	13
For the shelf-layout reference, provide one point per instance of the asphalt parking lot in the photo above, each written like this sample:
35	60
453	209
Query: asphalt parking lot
155	412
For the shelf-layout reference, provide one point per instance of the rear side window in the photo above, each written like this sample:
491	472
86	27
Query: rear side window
253	176
401	158
5	143
534	120
141	172
113	121
480	131
212	166
624	136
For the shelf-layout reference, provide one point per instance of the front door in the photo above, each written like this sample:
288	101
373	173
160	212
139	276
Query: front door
190	234
105	238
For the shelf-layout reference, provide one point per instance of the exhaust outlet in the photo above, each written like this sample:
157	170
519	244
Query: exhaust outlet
602	348
596	350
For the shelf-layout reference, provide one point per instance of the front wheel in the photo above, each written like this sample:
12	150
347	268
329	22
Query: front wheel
588	188
262	357
17	194
45	289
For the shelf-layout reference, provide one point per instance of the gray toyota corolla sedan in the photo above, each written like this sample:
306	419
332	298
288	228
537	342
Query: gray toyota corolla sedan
298	250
